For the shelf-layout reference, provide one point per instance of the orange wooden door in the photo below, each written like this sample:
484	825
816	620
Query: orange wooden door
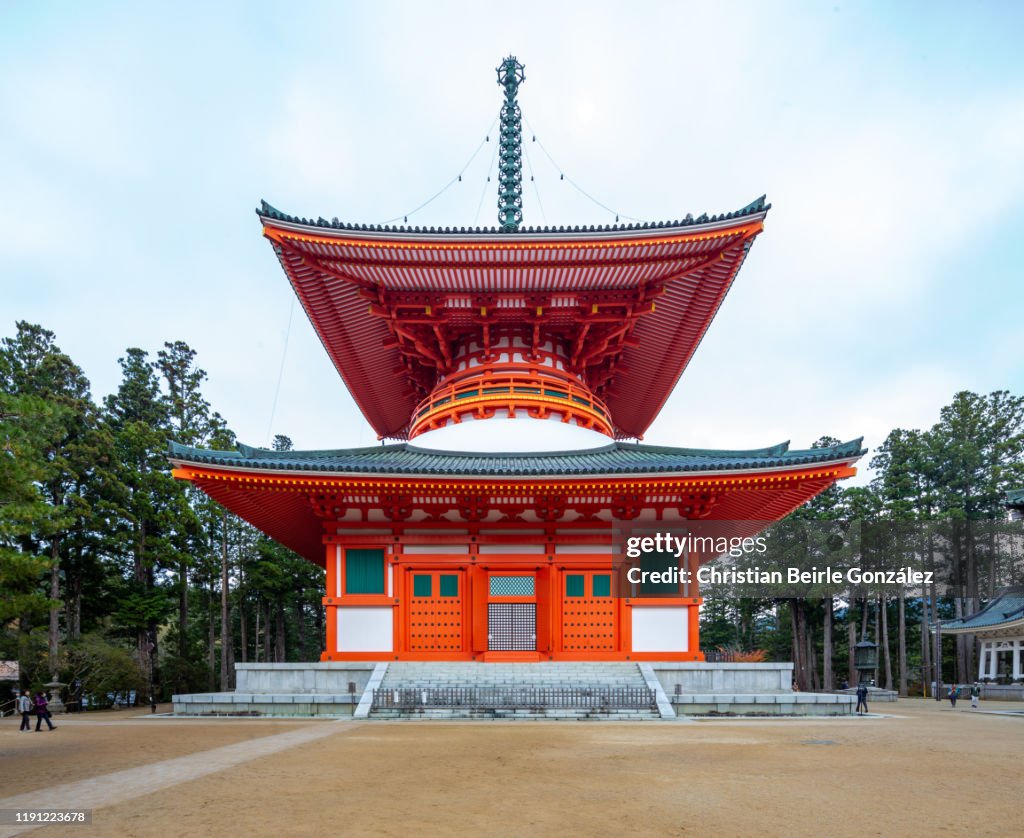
436	611
589	613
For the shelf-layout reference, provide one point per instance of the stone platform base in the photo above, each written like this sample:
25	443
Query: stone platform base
764	704
996	692
284	689
345	689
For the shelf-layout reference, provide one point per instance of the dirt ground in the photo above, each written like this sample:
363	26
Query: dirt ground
929	771
91	744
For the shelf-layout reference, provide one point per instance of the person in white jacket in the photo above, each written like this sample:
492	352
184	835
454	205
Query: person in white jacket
25	707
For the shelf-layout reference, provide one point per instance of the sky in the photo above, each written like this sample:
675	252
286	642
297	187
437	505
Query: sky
137	139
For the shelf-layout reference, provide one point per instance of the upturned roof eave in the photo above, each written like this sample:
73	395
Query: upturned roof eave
757	210
1017	622
518	477
1009	602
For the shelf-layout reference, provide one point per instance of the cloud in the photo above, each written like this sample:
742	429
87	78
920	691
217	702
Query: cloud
129	179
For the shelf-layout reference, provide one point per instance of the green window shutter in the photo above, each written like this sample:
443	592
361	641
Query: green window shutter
602	584
364	571
574	585
658	563
422	585
449	584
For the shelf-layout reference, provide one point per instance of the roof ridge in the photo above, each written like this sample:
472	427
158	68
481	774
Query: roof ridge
758	205
614	458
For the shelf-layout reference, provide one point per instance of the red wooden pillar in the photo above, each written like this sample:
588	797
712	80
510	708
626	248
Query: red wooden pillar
693	644
331	611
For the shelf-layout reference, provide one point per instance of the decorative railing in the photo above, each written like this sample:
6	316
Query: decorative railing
541	392
593	699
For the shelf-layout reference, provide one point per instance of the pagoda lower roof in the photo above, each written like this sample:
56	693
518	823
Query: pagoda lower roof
618	458
1004	612
279	492
1015	498
635	299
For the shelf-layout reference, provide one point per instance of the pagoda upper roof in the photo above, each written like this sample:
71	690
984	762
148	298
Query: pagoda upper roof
1015	498
757	206
617	458
1006	611
360	286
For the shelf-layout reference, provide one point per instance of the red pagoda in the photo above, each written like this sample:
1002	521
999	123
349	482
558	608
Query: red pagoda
436	548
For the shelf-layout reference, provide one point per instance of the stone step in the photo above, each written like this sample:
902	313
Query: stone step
500	679
516	715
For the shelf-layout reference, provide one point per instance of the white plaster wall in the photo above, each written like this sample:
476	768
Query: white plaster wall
365	628
364	531
508	549
581	549
661	628
337	572
435	549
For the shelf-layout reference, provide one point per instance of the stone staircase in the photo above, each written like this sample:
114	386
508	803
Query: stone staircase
549	690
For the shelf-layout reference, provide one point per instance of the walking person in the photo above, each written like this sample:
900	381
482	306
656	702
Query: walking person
954	694
42	712
862	698
25	707
975	695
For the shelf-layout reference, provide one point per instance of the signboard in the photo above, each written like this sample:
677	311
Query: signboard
9	671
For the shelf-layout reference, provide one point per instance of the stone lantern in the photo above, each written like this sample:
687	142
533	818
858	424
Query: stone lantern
865	659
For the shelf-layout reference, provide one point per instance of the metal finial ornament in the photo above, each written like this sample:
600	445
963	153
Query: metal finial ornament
510	161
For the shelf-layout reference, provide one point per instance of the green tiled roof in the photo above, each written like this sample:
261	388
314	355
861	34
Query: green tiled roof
1015	497
1007	607
756	206
614	458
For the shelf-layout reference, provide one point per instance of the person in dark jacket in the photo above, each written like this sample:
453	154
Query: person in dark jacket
954	694
862	698
42	712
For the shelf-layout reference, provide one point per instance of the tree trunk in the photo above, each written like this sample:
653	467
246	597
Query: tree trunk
936	657
243	632
878	642
902	648
279	644
268	645
231	654
961	654
827	681
812	659
851	642
243	628
73	585
796	647
883	610
319	617
300	626
927	673
54	631
256	637
211	637
139	570
801	659
183	607
75	599
225	616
